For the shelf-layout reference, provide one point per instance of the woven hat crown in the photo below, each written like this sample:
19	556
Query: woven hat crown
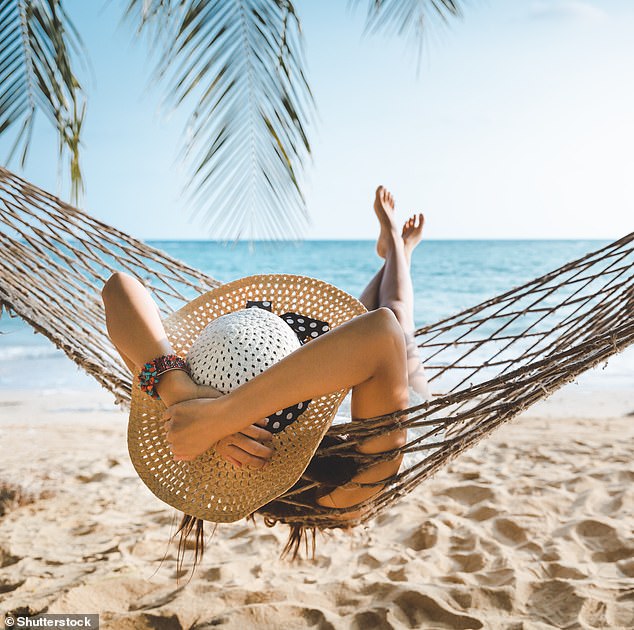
238	346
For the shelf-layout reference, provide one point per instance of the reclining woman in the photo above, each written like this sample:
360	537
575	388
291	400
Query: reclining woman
373	354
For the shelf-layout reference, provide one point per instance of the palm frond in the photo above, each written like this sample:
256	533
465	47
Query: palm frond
241	63
158	16
36	74
409	18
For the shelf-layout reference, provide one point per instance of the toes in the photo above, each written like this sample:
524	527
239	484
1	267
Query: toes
413	226
385	197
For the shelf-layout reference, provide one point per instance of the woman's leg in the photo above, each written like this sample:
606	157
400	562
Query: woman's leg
394	396
366	354
370	296
395	290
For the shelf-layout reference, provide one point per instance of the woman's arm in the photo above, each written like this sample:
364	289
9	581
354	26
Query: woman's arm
136	330
366	354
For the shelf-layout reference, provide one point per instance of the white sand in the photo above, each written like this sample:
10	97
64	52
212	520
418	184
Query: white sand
531	529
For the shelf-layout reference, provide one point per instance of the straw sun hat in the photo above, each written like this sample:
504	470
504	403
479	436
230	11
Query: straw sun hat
228	336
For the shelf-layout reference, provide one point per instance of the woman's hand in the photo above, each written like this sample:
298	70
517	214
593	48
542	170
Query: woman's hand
195	425
247	448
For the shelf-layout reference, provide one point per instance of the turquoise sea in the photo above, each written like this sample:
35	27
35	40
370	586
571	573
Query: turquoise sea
448	276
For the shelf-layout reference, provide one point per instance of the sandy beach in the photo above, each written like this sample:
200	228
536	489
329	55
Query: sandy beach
531	529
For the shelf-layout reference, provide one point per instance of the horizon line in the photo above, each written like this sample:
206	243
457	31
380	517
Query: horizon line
371	240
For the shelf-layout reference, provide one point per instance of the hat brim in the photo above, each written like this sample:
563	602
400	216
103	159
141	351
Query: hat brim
209	487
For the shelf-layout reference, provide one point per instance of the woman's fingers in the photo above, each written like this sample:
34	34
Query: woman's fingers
232	461
225	451
256	433
242	458
241	449
250	446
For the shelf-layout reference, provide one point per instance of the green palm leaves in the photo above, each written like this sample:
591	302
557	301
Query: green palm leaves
240	63
36	38
236	65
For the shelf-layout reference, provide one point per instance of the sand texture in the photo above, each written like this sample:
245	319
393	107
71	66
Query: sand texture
531	529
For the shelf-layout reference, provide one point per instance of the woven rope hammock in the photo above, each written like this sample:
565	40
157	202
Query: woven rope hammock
490	361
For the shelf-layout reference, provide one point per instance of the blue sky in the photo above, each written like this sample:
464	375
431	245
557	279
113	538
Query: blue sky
519	124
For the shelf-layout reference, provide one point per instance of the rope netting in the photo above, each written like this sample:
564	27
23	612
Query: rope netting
54	261
490	361
493	361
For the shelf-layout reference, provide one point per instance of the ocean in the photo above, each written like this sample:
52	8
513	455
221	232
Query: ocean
448	276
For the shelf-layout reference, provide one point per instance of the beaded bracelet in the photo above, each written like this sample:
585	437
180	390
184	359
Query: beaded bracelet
152	371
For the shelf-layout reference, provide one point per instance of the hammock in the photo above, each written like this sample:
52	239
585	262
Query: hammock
491	361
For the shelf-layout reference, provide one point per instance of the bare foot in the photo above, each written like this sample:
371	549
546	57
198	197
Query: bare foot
384	208
412	233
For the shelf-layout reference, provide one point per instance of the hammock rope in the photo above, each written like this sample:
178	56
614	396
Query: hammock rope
490	361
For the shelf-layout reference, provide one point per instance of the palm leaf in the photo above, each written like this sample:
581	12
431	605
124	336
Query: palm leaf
409	18
36	40
241	63
153	15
